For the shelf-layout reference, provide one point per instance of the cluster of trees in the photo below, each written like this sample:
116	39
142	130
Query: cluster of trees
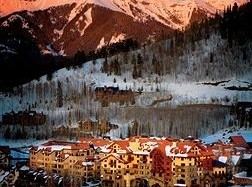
137	66
234	25
26	62
114	48
14	133
112	67
191	120
106	51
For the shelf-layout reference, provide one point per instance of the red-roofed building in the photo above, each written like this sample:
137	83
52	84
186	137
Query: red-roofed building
239	141
114	168
119	146
159	161
161	165
62	157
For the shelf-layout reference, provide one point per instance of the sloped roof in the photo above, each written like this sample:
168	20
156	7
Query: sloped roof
235	159
180	149
239	141
123	144
116	156
223	159
78	146
217	163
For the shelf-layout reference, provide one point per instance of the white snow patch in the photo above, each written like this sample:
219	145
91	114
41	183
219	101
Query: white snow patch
101	43
55	147
235	159
223	159
168	152
3	174
87	163
223	135
247	156
50	50
88	20
117	38
24	168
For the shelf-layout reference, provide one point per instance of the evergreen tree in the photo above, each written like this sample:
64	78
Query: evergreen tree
59	95
135	72
7	133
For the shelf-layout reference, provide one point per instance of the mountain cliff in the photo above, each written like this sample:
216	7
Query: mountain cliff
64	27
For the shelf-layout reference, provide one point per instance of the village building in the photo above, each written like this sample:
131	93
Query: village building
110	94
66	159
242	179
24	118
142	160
85	129
127	162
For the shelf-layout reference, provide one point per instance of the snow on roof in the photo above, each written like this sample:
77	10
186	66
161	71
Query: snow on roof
235	159
121	151
105	150
175	151
223	159
24	168
3	175
55	147
87	163
241	148
242	174
247	156
141	152
60	180
179	184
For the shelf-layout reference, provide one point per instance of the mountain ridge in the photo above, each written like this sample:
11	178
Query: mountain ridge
72	28
162	11
195	67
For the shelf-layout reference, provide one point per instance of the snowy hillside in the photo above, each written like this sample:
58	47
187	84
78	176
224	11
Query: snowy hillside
224	134
79	102
184	85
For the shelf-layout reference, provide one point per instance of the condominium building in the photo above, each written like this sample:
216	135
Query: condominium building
131	162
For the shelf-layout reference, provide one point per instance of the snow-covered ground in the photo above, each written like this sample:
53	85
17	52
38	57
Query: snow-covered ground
21	143
224	134
194	92
41	95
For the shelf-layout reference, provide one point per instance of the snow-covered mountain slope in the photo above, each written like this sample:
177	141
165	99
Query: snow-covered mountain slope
170	102
172	13
11	6
220	5
68	26
78	103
